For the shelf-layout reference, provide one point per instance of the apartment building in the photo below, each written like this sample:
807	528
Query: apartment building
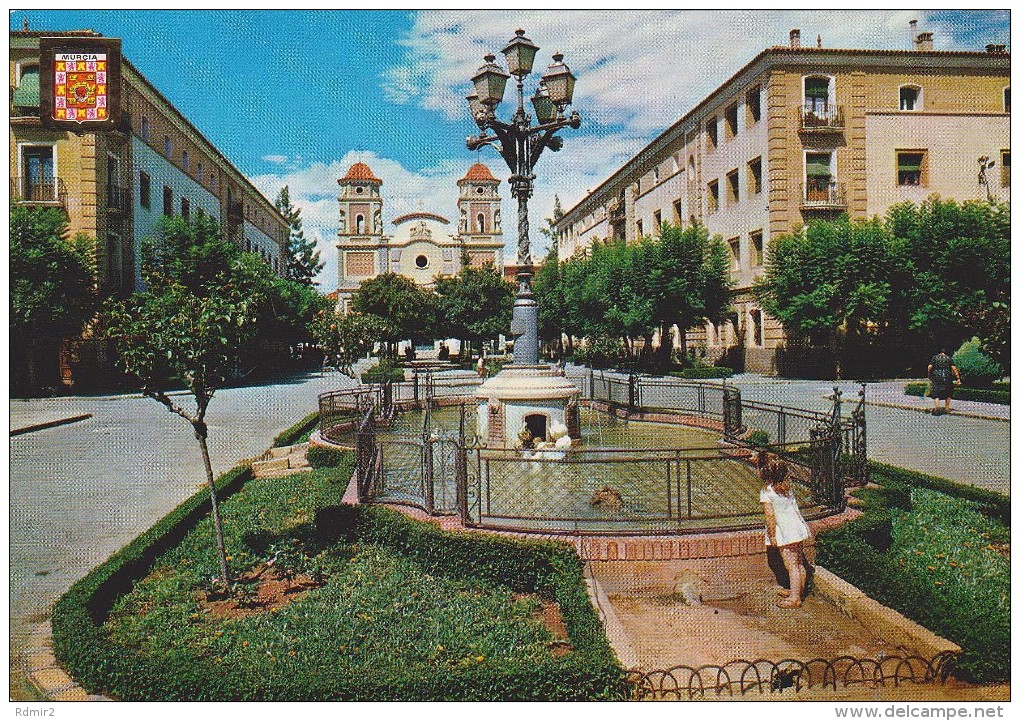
804	133
116	185
422	245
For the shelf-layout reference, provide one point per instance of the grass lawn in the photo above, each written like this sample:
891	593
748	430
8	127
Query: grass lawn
387	613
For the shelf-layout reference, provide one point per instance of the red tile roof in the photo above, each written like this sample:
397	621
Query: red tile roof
479	172
360	171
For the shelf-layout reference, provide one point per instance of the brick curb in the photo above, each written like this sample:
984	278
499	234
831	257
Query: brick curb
49	424
43	673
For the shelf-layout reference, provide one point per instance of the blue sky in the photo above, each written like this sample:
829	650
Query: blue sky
295	97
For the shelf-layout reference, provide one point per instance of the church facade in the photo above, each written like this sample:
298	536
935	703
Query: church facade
421	245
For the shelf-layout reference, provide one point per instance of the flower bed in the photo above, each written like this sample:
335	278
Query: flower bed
332	603
939	558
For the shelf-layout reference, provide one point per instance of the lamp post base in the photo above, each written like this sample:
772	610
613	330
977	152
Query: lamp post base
524	323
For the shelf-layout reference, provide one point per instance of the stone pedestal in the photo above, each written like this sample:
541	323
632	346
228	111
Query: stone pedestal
524	397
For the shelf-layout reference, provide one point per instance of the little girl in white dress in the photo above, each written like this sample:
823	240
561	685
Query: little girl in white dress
785	527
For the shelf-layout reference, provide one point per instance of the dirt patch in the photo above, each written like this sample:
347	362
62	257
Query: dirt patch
550	616
262	589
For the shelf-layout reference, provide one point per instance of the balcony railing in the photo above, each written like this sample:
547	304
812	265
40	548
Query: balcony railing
42	192
824	196
821	119
117	198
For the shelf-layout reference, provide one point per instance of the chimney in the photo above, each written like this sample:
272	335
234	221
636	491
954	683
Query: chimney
923	42
795	38
995	49
913	32
819	41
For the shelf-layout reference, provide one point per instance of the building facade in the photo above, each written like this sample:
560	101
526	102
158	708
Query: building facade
116	185
422	245
803	133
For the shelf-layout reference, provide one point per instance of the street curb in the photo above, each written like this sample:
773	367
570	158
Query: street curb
45	676
962	414
50	424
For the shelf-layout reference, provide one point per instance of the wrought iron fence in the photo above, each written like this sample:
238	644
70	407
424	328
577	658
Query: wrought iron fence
761	676
633	477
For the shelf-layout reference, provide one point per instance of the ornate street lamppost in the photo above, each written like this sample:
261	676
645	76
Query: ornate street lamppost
521	143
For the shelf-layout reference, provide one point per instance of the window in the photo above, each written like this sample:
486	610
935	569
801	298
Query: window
359	190
754	176
816	94
1005	100
39	176
712	132
359	227
640	229
1004	167
713	196
168	146
731	121
657	224
144	189
733	187
757	249
911	167
480	190
422	261
200	173
818	175
185	161
734	244
481	222
910	97
753	101
26	95
168	201
678	212
655	174
145	130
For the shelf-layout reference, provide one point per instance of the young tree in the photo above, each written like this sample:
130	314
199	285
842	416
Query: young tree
190	332
52	292
303	262
549	231
345	338
552	312
405	310
475	304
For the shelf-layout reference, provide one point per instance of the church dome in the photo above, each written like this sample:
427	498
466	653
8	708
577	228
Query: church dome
361	172
478	172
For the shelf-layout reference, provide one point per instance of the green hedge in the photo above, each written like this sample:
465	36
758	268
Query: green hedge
998	394
319	457
703	372
384	370
299	431
907	552
992	504
550	569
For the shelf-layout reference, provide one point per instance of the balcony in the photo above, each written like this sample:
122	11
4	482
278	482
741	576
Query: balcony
32	191
821	119
825	197
117	199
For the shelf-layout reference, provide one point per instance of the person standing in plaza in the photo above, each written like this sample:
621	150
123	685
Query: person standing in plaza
942	375
785	528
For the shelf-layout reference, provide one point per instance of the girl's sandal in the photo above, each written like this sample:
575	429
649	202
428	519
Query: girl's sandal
784	592
788	603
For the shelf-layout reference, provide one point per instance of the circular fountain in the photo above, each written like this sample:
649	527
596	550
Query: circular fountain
522	405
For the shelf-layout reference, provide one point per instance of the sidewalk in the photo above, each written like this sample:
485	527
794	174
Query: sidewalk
890	395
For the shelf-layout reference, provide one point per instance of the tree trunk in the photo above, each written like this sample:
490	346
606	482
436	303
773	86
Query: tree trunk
201	431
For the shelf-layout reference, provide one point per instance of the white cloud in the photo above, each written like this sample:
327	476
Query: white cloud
275	159
638	72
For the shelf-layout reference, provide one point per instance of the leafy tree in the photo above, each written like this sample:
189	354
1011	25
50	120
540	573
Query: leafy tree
549	231
955	268
345	338
189	327
833	281
552	311
475	304
303	261
52	292
405	310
